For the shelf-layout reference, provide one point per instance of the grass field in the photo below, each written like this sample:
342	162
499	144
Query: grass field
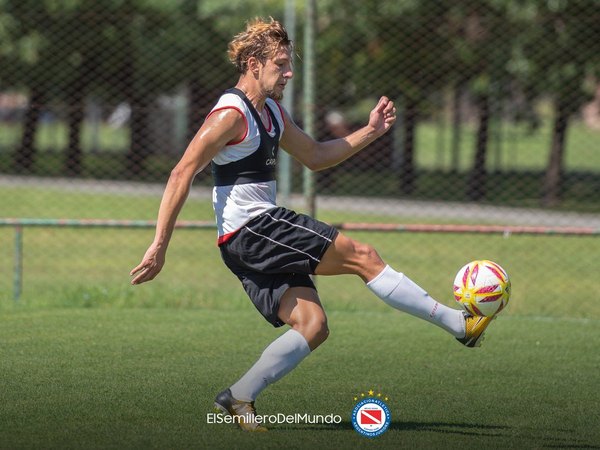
87	361
146	378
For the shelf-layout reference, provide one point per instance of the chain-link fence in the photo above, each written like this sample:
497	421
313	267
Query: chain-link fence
499	123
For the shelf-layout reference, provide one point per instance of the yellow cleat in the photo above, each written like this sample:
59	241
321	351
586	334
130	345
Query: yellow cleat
475	327
244	413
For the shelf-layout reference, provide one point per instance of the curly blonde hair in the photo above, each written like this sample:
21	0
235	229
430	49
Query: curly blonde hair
261	40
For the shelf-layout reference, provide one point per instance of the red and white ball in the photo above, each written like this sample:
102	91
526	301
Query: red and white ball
482	288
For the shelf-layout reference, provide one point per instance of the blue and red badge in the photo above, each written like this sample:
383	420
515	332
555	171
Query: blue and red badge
371	416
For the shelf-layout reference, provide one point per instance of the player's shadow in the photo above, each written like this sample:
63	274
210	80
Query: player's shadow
552	439
555	439
438	427
467	429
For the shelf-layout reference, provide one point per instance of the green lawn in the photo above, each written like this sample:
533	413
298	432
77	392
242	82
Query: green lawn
552	275
146	378
88	361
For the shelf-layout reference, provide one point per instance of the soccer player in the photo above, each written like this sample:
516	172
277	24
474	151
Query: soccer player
273	250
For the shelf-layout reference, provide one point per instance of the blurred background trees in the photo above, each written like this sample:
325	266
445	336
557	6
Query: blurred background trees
468	77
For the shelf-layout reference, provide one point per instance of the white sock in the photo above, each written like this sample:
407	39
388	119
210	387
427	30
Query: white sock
400	292
280	357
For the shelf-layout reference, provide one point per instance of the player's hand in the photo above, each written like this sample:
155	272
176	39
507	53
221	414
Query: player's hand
149	268
383	116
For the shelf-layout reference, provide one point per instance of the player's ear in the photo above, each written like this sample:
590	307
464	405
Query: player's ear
253	65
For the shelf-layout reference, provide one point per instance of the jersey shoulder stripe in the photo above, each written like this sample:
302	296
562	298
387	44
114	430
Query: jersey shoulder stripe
235	108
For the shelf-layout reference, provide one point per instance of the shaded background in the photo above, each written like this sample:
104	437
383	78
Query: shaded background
499	124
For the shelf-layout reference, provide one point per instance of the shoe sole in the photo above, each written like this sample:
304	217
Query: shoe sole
220	409
478	341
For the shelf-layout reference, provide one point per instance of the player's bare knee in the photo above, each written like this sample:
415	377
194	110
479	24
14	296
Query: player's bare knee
316	332
367	256
364	252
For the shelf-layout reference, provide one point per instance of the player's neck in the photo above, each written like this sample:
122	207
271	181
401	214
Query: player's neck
253	94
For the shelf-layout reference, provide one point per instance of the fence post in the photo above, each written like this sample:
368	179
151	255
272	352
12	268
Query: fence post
18	269
309	99
284	165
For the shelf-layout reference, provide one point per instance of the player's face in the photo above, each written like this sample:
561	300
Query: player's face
276	73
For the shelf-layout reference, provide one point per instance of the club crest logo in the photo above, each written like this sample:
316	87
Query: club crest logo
371	416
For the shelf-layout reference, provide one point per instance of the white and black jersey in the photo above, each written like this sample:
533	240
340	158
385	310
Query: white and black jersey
244	171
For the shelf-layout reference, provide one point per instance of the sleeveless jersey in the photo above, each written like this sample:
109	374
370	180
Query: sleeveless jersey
244	171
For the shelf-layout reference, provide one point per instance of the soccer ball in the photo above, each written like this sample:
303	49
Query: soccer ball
482	288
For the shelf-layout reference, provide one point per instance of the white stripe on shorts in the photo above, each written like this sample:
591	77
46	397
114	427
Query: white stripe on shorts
297	226
283	245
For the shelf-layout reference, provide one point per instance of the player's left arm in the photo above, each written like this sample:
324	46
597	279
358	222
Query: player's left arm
321	155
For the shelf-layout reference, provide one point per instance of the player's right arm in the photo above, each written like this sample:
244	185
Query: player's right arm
220	128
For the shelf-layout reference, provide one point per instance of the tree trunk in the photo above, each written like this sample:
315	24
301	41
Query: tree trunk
139	102
75	116
456	127
476	185
554	171
139	148
24	156
407	169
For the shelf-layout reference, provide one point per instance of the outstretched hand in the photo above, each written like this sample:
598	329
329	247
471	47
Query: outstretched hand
149	268
383	116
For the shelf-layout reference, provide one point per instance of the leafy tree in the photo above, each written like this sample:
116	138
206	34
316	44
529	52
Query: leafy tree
397	48
481	35
122	50
204	68
563	49
163	50
83	27
59	56
27	61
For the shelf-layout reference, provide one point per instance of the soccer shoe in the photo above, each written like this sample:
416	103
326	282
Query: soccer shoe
475	327
244	411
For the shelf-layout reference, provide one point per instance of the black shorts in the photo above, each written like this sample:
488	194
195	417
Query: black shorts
276	251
